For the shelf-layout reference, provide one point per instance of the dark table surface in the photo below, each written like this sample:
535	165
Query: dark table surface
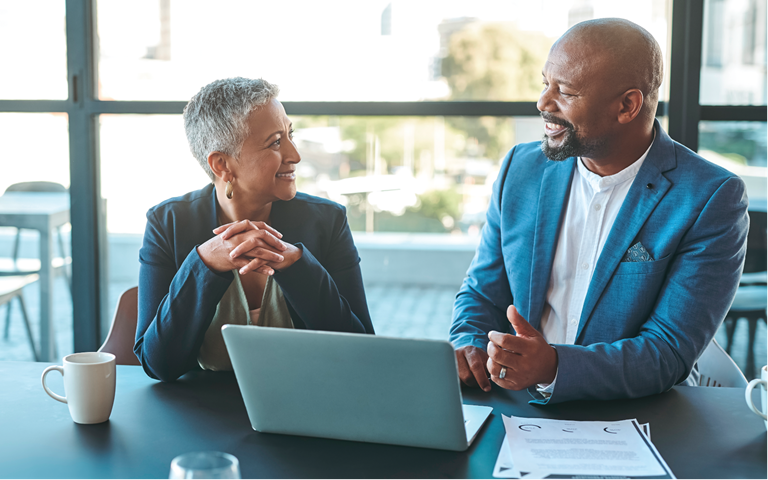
700	432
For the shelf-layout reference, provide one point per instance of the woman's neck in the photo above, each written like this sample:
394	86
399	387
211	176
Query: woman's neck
230	210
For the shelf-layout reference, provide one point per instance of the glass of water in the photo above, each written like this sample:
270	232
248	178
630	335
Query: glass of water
205	465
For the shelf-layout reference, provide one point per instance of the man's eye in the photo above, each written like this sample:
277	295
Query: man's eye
290	133
276	143
565	94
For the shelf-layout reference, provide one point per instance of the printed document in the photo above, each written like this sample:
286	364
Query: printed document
536	447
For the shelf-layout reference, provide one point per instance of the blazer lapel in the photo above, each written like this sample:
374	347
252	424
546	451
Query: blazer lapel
637	207
553	199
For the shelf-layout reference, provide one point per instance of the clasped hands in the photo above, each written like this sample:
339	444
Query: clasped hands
249	247
527	357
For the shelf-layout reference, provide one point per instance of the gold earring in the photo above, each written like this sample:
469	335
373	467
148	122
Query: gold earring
228	191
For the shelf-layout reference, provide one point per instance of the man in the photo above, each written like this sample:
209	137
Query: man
611	253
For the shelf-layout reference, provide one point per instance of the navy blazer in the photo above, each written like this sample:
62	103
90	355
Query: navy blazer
178	293
644	324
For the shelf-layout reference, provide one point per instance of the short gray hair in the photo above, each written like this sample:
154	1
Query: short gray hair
216	118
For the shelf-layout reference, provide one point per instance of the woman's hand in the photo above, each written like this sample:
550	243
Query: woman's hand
244	244
255	254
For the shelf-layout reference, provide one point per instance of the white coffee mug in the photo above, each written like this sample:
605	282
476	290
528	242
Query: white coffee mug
762	381
89	385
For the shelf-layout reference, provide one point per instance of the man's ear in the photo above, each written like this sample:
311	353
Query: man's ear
220	165
631	105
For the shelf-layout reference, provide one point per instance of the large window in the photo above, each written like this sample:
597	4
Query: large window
403	111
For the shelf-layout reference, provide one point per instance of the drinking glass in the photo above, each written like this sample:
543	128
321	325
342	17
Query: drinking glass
205	465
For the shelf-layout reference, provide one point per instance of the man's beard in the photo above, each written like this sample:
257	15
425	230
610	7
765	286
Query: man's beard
572	146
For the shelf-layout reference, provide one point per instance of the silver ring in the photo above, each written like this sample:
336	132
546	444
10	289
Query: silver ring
503	372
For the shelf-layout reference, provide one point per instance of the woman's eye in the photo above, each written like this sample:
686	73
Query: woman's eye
276	143
290	133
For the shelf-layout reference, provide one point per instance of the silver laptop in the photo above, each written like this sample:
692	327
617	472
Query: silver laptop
356	387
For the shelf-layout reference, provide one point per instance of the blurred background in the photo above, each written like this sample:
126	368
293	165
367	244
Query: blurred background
403	111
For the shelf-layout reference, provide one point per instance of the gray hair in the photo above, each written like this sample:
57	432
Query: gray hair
216	118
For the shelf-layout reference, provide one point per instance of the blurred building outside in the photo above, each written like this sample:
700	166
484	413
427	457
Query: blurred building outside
416	188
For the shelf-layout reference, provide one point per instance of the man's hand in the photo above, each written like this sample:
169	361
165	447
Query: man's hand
471	361
528	358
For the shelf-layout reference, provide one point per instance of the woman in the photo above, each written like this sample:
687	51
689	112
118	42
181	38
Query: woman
246	249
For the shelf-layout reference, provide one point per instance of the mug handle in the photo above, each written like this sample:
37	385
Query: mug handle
45	387
748	396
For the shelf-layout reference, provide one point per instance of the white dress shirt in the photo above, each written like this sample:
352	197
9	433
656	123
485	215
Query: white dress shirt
593	204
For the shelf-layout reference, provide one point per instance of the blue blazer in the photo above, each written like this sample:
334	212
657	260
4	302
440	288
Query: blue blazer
644	324
178	293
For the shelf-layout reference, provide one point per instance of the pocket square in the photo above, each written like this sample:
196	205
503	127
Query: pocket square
637	253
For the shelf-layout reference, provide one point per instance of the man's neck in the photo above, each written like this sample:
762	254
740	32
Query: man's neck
627	151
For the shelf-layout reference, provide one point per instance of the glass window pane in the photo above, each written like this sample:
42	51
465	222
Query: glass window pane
741	148
43	168
375	51
34	53
135	176
733	57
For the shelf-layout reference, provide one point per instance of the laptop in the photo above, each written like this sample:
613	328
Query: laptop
348	386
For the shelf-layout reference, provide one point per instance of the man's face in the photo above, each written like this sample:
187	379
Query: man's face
575	103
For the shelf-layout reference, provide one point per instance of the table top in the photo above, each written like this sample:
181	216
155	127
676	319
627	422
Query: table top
701	432
33	203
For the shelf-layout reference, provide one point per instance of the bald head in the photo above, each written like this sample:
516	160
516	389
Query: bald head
621	51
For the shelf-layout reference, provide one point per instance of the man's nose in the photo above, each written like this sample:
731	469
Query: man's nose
545	103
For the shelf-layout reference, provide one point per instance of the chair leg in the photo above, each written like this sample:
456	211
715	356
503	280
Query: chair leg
29	328
67	272
730	329
7	329
750	370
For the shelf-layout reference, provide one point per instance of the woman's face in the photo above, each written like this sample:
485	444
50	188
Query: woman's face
266	169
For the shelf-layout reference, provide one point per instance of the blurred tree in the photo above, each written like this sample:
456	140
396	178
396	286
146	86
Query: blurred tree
493	62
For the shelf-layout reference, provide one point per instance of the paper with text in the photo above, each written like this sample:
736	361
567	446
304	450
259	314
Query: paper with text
564	447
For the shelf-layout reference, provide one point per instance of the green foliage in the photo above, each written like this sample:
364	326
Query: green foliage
493	62
439	203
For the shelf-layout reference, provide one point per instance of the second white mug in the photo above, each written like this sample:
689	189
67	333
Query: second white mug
89	386
763	382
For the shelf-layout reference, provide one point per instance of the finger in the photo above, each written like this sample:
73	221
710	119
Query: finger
509	381
235	228
521	326
476	363
465	373
264	226
509	342
255	265
259	239
265	270
254	248
503	357
221	228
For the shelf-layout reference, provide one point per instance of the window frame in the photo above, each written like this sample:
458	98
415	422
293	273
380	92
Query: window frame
89	238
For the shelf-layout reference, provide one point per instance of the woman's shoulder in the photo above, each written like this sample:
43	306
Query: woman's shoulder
189	202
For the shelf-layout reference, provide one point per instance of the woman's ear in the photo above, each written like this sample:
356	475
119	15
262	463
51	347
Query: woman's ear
219	164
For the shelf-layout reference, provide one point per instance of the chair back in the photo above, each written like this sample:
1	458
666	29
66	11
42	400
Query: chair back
757	243
718	369
36	187
122	334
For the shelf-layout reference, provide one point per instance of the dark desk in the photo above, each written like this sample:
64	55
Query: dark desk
701	432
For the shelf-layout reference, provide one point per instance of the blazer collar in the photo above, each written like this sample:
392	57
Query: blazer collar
647	190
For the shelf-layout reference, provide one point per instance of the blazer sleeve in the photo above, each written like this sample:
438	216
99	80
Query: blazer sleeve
482	301
697	292
329	295
176	305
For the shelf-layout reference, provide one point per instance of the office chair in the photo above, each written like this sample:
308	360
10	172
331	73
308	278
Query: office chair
752	295
718	369
10	289
122	333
